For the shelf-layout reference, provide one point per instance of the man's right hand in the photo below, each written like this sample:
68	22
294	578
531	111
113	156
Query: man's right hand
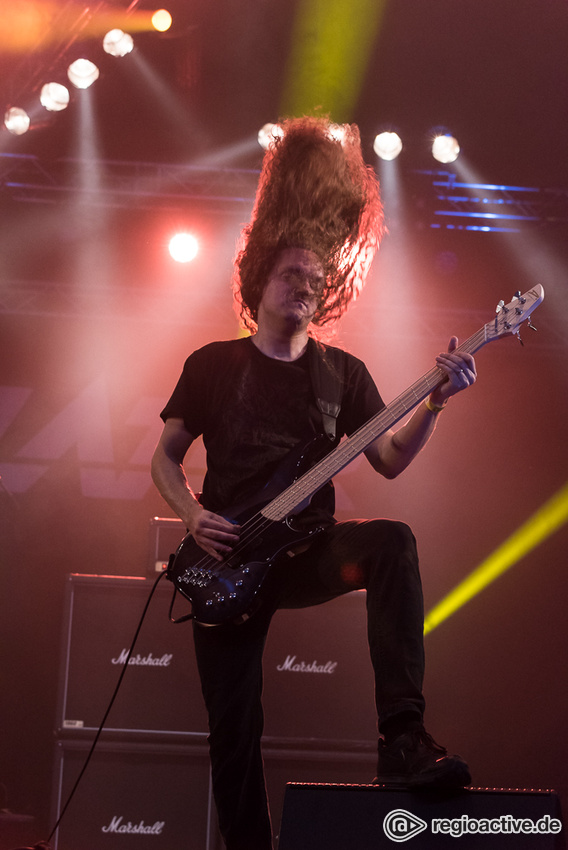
213	533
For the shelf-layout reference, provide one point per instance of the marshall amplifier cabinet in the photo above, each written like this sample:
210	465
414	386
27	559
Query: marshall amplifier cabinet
160	691
164	537
318	682
134	796
318	679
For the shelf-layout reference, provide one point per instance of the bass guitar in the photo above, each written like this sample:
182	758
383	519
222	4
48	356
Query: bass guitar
230	590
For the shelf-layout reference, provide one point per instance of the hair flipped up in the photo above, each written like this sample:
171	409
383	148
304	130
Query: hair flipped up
315	193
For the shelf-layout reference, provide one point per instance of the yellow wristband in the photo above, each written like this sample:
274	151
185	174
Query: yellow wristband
433	408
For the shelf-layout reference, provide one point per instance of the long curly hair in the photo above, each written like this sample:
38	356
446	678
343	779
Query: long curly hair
315	192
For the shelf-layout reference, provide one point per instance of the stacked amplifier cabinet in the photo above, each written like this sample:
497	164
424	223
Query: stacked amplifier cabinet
164	536
149	774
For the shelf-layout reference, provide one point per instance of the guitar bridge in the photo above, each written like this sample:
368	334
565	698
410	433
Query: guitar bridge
197	577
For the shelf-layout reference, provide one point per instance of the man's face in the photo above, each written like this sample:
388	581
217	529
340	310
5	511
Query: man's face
293	291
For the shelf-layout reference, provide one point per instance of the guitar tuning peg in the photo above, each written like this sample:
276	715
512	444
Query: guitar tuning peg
530	325
518	297
518	335
499	306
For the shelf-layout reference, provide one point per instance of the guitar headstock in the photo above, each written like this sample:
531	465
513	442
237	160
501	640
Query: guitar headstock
509	317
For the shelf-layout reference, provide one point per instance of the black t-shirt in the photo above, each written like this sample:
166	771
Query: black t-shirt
252	410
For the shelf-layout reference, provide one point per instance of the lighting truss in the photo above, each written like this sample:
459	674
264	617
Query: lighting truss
153	185
453	204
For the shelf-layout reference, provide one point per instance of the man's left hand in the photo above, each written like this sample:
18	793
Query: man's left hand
460	372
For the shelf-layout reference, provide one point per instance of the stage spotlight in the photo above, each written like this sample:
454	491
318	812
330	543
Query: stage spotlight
118	43
268	134
17	121
83	73
183	247
445	148
161	20
54	97
387	145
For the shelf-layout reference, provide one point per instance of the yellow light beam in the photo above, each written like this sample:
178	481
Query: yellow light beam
548	519
332	43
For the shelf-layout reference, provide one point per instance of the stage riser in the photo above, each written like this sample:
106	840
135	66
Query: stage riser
333	817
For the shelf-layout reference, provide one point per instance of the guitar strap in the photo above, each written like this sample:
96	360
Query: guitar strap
327	367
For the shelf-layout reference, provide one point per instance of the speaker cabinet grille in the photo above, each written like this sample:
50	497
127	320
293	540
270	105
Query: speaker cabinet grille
319	683
134	796
160	691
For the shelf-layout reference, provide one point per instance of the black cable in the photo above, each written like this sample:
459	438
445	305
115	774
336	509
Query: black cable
46	846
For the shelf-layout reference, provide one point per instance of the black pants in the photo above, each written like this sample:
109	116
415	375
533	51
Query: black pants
378	555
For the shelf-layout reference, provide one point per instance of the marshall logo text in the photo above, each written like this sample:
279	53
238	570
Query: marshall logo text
116	825
144	660
294	666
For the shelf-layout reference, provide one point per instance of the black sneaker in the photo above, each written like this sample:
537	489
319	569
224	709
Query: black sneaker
414	760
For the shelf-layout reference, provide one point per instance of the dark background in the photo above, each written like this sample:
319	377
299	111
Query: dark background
96	322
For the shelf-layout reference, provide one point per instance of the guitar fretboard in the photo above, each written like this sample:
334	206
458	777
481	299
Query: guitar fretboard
304	488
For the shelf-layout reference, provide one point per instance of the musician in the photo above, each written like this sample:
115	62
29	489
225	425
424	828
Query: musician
315	227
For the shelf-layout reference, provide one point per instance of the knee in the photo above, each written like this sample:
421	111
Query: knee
403	535
395	534
394	551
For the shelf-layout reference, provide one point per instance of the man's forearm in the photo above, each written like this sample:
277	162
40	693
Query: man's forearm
170	480
406	443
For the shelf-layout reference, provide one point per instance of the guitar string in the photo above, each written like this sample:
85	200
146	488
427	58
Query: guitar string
345	453
354	445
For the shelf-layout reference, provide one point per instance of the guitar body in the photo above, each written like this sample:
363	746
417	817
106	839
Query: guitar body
230	590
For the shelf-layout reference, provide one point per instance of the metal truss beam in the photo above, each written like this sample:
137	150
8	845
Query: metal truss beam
454	204
120	184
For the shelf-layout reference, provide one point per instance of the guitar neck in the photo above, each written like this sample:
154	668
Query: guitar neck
300	492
